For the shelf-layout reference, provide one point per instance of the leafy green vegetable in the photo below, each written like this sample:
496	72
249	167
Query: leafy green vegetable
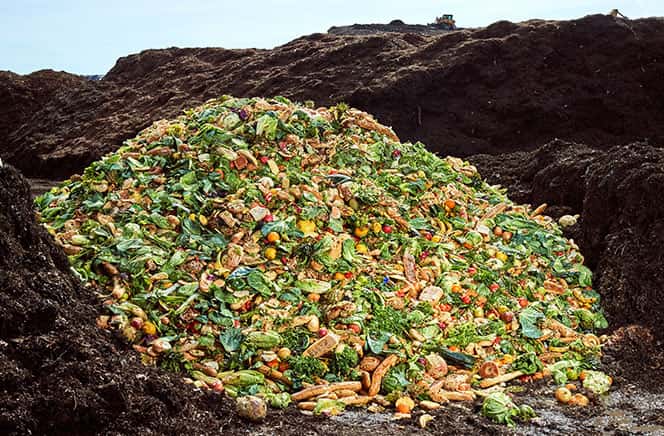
395	380
500	408
313	286
231	338
528	363
528	319
597	382
344	361
305	368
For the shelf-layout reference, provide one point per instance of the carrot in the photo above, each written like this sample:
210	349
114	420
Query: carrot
379	373
316	390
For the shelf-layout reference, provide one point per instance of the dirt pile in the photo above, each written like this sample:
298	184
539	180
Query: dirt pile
621	230
506	87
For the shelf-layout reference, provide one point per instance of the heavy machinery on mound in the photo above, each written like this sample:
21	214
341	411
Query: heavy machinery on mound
446	21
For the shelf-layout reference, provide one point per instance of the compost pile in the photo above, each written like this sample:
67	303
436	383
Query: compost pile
269	248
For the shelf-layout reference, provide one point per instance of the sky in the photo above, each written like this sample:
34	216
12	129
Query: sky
88	36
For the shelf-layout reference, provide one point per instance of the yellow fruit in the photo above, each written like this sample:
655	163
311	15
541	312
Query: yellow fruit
306	226
361	248
149	328
361	232
273	237
203	220
338	276
192	216
501	256
270	253
404	405
376	227
436	238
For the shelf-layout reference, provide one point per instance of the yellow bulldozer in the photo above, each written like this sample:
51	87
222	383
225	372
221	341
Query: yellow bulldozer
445	22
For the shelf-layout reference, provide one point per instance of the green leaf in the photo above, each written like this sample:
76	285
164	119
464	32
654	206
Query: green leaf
585	275
231	338
267	126
528	319
259	283
313	286
376	341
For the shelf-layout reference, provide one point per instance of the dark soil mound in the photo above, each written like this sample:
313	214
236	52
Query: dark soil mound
617	192
507	87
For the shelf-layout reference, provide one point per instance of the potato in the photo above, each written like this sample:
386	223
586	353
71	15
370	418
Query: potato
252	408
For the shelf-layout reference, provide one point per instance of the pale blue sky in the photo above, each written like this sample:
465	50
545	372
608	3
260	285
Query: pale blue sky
87	36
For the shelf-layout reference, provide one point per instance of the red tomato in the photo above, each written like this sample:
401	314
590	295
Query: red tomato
355	328
472	270
494	287
465	299
387	228
348	275
523	302
264	159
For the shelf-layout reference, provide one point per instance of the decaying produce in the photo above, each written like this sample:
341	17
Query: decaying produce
272	249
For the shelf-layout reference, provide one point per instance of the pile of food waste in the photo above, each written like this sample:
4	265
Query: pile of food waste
289	253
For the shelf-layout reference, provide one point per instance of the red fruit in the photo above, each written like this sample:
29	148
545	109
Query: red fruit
396	154
507	316
523	302
387	228
137	323
322	332
284	260
355	328
428	236
445	307
348	275
442	325
497	340
494	287
268	218
247	305
472	270
264	159
465	299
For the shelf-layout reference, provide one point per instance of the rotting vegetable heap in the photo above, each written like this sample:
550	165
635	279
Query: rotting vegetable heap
270	248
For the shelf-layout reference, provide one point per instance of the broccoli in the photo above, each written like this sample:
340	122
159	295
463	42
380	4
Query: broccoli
387	319
344	361
305	368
